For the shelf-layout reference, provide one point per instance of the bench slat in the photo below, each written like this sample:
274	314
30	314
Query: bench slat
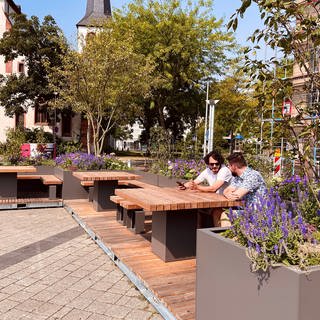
87	183
129	205
47	179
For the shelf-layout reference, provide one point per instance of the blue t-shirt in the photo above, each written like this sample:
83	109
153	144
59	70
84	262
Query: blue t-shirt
252	181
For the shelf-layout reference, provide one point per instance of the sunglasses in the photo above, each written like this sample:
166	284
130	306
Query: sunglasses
213	164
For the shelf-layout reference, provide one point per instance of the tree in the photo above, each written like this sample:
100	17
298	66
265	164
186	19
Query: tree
291	28
187	45
40	44
236	110
100	81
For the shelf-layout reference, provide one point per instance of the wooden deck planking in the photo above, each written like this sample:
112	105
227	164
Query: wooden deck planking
173	282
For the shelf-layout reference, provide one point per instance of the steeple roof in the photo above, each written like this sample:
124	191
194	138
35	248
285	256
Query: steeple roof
96	10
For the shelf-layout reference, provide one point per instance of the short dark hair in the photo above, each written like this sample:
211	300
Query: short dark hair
238	159
216	155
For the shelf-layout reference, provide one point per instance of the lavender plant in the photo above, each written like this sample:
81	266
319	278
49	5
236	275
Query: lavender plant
178	168
305	194
274	233
84	161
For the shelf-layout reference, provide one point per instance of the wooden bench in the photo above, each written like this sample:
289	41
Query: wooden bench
129	214
127	183
49	180
136	184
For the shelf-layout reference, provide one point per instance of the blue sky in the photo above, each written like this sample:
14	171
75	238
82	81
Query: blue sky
68	12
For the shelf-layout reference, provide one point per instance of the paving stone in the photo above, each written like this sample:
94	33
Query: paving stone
21	296
45	295
12	288
118	312
138	315
72	280
65	297
61	313
29	305
76	314
13	314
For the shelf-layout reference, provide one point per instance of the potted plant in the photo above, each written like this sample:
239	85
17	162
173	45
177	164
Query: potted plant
266	265
69	162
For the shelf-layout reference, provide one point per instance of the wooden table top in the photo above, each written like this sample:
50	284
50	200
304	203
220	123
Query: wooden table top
13	169
163	199
104	175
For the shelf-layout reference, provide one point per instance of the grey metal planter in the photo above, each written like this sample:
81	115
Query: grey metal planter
156	179
227	289
71	187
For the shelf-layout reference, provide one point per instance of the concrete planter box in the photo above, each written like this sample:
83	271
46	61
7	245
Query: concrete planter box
45	170
71	187
156	179
227	289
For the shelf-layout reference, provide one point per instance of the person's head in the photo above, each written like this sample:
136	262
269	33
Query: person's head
236	162
214	160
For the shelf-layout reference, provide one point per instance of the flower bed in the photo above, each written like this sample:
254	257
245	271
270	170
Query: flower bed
84	161
278	229
178	168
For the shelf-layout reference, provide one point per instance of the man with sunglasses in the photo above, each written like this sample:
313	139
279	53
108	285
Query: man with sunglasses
217	175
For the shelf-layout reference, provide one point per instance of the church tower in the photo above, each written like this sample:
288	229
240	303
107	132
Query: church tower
96	10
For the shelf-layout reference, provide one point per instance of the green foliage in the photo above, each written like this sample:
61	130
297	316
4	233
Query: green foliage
100	81
68	147
11	149
303	194
85	161
262	164
160	144
40	44
187	45
274	233
178	168
291	28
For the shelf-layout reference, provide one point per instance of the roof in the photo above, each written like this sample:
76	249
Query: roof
14	6
96	10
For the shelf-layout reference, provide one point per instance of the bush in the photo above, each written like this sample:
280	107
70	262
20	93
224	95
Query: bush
64	147
84	161
275	231
178	168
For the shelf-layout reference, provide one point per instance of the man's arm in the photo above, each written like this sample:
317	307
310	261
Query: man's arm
216	186
234	193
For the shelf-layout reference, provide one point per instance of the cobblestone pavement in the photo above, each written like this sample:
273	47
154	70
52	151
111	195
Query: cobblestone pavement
50	269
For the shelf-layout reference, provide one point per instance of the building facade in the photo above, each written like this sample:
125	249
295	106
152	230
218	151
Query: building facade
66	126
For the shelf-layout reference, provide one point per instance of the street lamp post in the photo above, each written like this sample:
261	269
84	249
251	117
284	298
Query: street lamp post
205	138
211	103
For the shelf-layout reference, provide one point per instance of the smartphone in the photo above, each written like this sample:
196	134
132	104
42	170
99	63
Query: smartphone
179	183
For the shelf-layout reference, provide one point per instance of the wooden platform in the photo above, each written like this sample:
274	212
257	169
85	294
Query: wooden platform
28	202
172	283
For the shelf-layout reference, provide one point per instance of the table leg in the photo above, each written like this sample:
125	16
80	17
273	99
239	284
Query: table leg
8	185
174	234
101	195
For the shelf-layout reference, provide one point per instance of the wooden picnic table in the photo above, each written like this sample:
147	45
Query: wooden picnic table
105	182
174	217
8	179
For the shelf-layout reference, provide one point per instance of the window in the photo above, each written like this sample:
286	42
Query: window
21	67
19	120
41	115
66	124
314	60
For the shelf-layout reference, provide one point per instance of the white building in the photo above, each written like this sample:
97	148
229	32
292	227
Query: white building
67	128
